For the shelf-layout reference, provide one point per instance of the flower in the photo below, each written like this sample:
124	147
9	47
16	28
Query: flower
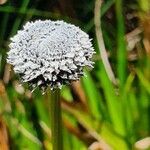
50	53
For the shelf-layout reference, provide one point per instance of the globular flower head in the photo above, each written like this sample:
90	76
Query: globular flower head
50	53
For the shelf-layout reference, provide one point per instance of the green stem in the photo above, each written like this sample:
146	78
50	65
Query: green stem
56	120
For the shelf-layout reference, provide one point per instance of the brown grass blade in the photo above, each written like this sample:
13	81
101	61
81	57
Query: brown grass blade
4	142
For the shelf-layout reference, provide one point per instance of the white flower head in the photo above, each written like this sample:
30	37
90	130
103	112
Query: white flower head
50	53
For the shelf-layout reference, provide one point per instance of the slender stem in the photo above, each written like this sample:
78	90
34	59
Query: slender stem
56	120
102	49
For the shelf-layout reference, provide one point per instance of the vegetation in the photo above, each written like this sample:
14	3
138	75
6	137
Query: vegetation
106	110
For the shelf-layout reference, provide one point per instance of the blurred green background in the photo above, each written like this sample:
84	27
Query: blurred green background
98	114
